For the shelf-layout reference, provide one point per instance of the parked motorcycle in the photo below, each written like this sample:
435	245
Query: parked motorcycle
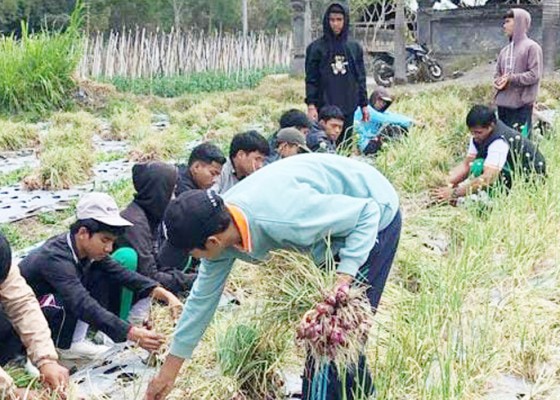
420	66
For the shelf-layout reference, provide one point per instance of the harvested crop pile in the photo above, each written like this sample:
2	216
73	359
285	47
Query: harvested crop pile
336	329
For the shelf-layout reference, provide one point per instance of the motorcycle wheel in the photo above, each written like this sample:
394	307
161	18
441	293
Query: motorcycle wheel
382	73
436	71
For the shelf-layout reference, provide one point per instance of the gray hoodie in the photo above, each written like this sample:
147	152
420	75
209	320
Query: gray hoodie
522	59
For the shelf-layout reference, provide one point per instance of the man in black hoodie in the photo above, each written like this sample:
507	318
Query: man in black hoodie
154	183
334	70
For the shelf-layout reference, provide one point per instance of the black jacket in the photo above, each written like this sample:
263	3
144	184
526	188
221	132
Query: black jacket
524	156
329	83
154	183
55	269
185	180
318	141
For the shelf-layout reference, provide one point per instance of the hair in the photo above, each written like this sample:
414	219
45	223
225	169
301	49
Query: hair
296	118
249	142
207	153
94	227
336	9
219	223
481	115
330	112
5	258
509	14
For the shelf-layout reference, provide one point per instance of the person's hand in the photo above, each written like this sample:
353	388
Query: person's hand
145	338
163	382
55	377
501	83
365	114
176	308
312	113
443	194
343	280
172	301
24	394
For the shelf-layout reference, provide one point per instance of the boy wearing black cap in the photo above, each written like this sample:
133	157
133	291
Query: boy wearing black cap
265	213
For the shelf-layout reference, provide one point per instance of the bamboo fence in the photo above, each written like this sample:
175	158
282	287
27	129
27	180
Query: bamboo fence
139	53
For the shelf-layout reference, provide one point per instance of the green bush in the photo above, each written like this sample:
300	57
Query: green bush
36	69
211	81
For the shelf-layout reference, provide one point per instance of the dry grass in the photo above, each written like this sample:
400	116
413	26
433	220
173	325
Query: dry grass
17	135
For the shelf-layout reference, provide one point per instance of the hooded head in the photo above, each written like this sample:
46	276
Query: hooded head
521	24
336	9
5	258
154	183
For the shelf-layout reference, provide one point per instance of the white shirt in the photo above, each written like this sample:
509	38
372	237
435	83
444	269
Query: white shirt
497	153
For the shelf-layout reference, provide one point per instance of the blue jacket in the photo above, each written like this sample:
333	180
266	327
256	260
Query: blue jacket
368	130
295	203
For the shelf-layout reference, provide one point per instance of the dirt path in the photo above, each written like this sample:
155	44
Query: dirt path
481	74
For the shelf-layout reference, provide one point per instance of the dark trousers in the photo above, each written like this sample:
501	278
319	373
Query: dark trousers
517	118
10	344
63	323
358	381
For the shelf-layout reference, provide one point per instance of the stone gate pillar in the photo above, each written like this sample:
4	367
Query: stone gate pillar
298	37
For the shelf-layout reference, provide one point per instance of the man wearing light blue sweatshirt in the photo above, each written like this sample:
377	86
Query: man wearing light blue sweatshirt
369	140
295	203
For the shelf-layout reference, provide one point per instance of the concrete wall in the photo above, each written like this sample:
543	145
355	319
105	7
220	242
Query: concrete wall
470	31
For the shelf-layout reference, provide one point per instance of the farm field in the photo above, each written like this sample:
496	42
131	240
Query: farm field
472	303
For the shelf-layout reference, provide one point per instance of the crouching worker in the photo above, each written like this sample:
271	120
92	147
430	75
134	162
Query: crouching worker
495	155
72	275
324	134
290	142
23	328
202	170
154	183
382	123
264	213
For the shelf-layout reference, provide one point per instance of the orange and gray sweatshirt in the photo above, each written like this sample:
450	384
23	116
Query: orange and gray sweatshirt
522	60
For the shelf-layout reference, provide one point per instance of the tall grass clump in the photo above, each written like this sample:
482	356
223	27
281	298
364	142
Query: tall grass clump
168	144
36	69
66	154
17	135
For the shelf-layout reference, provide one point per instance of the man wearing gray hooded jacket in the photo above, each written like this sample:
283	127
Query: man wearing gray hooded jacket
518	72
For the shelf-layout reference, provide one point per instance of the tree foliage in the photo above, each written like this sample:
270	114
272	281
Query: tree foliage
104	15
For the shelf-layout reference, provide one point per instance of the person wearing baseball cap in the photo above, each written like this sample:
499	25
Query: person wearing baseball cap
290	142
69	275
382	123
295	204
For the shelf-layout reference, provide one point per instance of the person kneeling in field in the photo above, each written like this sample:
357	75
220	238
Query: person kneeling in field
382	123
324	135
23	328
297	203
247	153
137	247
290	119
70	275
496	154
290	142
202	170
